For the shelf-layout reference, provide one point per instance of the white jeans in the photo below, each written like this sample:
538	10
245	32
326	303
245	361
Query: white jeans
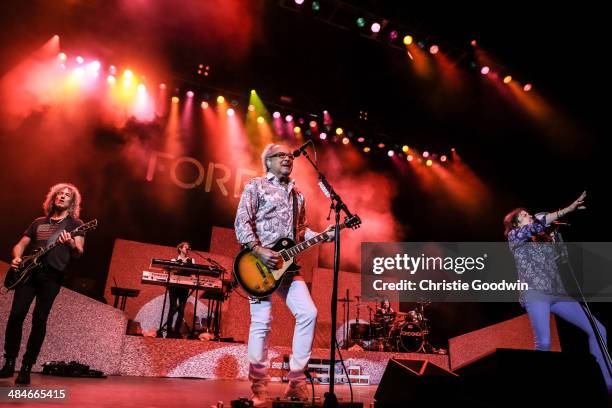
295	294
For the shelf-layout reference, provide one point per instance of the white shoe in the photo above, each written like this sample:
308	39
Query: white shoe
297	390
260	398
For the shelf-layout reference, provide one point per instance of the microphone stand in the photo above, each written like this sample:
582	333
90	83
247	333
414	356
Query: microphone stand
563	257
331	401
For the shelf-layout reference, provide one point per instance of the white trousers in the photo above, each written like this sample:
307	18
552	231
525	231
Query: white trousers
295	294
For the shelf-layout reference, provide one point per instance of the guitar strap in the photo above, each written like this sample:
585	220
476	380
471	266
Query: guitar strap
295	214
60	227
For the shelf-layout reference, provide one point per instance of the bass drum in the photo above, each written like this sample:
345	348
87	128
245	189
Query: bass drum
411	337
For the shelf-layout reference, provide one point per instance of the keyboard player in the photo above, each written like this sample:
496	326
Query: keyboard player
178	295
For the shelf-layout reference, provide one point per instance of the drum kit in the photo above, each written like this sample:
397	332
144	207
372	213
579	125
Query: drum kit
391	331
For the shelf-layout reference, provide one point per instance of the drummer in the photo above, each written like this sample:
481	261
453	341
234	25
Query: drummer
385	311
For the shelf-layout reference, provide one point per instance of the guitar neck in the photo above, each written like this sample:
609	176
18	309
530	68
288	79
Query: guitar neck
56	243
302	246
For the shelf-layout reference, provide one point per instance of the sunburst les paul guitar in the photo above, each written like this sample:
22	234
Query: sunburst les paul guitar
260	281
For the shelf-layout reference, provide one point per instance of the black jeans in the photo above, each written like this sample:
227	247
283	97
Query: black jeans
178	299
44	285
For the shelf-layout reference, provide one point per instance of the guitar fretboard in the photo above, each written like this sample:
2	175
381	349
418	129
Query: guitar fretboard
302	246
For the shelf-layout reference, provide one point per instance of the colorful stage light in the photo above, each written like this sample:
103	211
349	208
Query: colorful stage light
175	99
434	49
260	120
288	118
443	158
297	129
375	28
299	2
527	87
507	79
429	163
230	112
390	153
410	157
111	80
94	66
79	73
128	73
361	22
339	131
62	57
251	108
276	115
485	70
190	94
142	88
204	105
345	140
323	136
474	43
408	40
381	145
80	60
313	124
361	139
426	154
366	149
316	6
393	35
405	149
220	99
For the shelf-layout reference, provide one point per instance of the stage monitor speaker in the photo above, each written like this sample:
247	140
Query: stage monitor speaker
512	378
415	381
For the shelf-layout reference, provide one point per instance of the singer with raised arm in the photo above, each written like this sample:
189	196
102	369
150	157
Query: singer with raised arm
271	207
536	264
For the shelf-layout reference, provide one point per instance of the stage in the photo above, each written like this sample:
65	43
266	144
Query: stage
124	391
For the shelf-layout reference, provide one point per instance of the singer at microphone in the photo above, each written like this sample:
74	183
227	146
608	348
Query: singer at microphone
537	266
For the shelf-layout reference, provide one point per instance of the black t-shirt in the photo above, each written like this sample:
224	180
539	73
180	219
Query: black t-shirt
39	232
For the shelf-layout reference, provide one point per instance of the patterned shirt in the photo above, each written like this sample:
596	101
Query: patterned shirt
536	261
265	212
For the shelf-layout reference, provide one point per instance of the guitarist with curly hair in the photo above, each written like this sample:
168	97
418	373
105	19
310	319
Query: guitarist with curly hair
61	208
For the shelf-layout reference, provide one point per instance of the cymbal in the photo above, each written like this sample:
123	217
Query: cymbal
345	300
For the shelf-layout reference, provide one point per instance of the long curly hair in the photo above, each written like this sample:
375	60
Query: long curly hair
75	204
511	220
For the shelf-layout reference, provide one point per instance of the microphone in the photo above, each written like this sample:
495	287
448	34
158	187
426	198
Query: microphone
300	150
323	188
